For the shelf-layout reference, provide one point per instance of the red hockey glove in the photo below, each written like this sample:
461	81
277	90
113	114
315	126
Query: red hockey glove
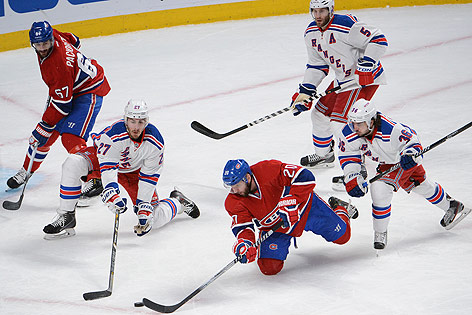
287	208
41	134
356	186
246	250
363	73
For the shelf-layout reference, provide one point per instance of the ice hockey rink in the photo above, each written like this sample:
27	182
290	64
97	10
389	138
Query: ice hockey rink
225	75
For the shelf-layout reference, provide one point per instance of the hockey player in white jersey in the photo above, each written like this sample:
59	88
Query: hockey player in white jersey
371	134
352	50
130	153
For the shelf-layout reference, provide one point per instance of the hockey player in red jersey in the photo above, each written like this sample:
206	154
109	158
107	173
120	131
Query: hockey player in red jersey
270	191
76	86
349	48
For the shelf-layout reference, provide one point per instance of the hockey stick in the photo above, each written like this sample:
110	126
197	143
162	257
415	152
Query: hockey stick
214	135
172	308
10	205
431	146
105	293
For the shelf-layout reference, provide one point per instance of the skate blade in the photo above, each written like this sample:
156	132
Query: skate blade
321	166
87	202
458	219
338	187
63	234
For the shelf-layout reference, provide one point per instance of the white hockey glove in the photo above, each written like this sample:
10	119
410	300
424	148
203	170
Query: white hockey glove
145	213
115	203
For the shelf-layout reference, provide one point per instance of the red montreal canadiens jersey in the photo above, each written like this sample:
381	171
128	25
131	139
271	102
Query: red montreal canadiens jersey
274	181
68	73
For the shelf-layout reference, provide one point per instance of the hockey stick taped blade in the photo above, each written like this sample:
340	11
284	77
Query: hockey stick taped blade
96	295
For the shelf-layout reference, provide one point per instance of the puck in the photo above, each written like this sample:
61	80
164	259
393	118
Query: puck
138	304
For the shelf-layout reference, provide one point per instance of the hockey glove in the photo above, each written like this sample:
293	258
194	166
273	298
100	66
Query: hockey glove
355	184
364	73
41	134
303	99
246	250
145	213
287	209
408	159
115	203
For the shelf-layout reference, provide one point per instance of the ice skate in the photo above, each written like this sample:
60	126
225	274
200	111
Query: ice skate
351	209
380	240
91	189
18	179
338	181
190	208
456	213
62	226
317	161
145	221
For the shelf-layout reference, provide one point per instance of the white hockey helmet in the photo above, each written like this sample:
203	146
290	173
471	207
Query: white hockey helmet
136	109
362	111
318	4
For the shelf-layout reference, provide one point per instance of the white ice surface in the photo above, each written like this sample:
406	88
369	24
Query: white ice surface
225	75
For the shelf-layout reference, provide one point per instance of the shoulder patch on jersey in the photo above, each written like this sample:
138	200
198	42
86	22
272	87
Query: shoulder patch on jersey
343	20
153	135
312	28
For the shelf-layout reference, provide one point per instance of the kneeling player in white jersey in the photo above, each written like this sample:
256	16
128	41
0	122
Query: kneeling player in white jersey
130	153
350	49
370	133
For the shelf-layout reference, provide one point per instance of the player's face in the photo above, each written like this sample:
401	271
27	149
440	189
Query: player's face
361	128
135	127
43	48
321	17
241	188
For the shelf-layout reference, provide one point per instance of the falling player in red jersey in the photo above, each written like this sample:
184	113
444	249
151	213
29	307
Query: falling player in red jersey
76	86
270	191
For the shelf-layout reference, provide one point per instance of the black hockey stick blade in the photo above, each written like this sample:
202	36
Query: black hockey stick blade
162	308
198	127
10	205
96	295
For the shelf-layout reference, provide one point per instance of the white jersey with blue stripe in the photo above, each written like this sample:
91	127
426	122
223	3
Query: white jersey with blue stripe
118	153
339	47
385	145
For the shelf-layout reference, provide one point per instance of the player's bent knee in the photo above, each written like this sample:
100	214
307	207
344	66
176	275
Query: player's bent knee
345	237
270	266
72	143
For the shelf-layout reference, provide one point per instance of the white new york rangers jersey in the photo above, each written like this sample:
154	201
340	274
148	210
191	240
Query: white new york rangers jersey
339	47
383	146
118	153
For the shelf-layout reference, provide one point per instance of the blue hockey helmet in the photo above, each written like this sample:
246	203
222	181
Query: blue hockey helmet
40	32
234	171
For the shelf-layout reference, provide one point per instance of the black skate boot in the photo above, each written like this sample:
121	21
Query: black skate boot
456	213
190	208
380	240
63	226
351	209
90	190
316	161
18	179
